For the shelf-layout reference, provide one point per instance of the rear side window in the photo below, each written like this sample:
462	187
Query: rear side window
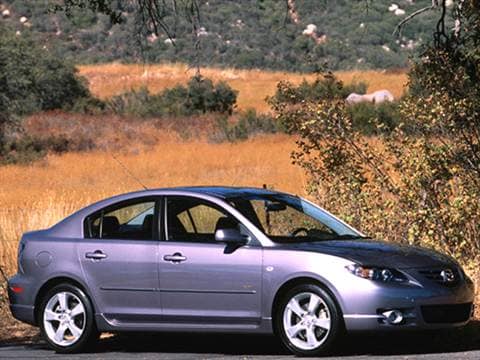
132	220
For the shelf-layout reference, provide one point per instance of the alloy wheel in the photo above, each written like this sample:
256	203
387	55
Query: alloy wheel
306	320
64	318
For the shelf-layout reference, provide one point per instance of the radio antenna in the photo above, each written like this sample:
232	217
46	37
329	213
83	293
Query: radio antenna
129	173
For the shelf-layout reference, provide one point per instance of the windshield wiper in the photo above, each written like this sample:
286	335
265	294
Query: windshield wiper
350	237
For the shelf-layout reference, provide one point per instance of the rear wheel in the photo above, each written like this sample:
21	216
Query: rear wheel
66	319
308	321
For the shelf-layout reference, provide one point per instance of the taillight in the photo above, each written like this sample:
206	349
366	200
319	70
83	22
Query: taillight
16	289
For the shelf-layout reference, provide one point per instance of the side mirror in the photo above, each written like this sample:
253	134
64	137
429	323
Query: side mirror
275	206
230	236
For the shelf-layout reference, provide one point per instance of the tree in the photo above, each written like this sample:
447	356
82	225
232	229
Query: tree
419	184
32	79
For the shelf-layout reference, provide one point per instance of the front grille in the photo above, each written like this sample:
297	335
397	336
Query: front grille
437	314
436	276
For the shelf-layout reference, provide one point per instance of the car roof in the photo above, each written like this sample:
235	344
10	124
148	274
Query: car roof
72	226
224	192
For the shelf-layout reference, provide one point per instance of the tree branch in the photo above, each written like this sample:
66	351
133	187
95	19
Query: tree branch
401	24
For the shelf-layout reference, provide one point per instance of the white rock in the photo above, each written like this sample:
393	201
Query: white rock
399	12
202	32
6	13
23	19
169	41
362	25
386	48
310	29
393	7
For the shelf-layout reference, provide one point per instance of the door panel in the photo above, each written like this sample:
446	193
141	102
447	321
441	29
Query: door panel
203	281
212	285
125	282
119	257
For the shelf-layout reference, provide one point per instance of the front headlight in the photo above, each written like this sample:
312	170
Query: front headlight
377	273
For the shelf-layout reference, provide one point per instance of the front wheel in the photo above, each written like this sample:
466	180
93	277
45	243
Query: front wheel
308	321
66	319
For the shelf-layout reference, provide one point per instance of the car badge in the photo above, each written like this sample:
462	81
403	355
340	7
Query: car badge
447	276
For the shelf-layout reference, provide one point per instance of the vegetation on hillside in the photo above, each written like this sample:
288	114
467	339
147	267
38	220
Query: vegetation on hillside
242	34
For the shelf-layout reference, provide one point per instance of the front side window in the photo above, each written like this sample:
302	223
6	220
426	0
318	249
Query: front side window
196	220
133	221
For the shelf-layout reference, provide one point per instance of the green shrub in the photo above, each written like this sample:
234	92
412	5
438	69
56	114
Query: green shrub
89	106
32	79
27	148
249	123
371	119
368	118
325	87
200	96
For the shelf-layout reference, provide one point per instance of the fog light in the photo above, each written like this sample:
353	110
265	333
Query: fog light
393	317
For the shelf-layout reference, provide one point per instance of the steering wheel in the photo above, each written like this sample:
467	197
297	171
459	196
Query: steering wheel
299	230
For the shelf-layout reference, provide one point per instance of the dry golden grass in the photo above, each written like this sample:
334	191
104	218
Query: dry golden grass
253	85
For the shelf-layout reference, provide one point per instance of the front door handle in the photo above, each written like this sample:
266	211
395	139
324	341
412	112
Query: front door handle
96	255
176	258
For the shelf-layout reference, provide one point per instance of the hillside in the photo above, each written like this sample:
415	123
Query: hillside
242	34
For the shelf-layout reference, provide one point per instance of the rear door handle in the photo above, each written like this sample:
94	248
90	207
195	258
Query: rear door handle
96	255
176	258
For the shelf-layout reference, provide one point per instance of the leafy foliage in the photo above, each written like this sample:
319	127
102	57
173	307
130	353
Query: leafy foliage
200	96
367	118
418	183
248	124
32	79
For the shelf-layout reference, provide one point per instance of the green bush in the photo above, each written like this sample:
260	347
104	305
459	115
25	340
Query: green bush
33	79
29	148
325	87
371	119
367	118
200	96
249	123
89	105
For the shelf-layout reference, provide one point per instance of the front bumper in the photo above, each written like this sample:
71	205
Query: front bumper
422	308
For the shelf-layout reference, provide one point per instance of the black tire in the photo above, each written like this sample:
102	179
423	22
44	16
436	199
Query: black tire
333	335
90	334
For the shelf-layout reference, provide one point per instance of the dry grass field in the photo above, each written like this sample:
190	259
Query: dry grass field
253	85
37	196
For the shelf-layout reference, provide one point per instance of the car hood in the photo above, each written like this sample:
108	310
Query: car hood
378	253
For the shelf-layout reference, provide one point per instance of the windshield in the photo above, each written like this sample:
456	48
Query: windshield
285	218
